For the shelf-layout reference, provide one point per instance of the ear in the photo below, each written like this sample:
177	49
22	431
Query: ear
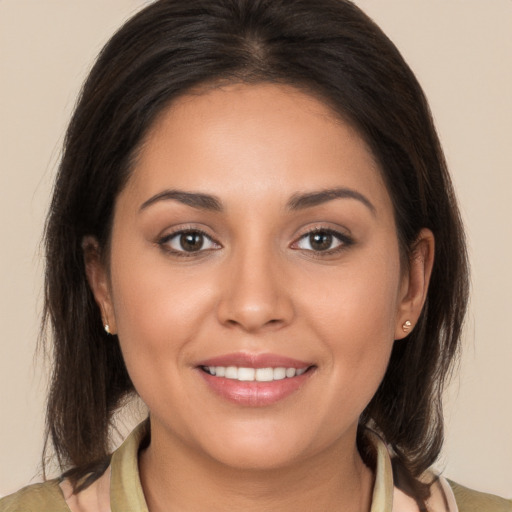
97	277
414	285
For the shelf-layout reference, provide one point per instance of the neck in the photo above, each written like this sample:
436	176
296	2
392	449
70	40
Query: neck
176	477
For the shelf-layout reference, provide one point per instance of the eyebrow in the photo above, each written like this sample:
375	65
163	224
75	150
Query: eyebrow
310	199
297	201
193	199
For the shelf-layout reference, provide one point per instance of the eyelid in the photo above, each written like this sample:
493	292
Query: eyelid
345	240
163	241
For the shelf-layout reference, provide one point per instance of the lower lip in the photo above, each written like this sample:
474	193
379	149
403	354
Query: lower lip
253	393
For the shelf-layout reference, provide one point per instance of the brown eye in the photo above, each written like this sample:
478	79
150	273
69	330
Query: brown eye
321	241
187	242
191	242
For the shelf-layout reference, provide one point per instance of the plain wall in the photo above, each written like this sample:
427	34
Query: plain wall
461	51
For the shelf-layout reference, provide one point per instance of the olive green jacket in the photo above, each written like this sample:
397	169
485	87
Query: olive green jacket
119	489
47	497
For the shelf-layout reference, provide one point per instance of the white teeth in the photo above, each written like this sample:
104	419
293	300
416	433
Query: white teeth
264	374
290	372
254	374
279	373
231	372
246	374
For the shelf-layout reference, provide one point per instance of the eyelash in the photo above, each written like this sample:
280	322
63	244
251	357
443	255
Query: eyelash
344	240
164	241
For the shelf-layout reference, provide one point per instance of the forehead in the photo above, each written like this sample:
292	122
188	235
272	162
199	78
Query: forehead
266	139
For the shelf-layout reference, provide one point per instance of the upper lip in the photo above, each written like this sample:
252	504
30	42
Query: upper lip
247	360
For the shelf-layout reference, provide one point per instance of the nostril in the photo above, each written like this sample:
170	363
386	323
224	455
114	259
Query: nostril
246	323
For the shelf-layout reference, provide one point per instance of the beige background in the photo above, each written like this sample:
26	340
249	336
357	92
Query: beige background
461	51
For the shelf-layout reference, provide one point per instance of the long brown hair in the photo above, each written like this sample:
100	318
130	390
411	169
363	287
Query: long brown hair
328	48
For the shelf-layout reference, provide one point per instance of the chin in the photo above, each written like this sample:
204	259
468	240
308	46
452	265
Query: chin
266	447
260	456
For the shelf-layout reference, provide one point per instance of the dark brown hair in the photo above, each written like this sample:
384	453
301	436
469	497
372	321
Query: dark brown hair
328	48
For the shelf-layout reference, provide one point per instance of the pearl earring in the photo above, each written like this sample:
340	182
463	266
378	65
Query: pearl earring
107	328
407	326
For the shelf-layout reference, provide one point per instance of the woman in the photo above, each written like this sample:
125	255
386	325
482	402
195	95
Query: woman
253	229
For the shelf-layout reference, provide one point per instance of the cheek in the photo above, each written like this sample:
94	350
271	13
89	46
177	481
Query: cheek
157	310
354	317
358	301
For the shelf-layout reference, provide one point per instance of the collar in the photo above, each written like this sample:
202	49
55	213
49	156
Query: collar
382	498
126	495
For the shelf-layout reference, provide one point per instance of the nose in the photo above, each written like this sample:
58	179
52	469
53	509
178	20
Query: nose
255	293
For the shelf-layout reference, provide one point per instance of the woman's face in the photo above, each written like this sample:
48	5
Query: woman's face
255	281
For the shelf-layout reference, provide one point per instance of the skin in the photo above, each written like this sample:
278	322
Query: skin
257	287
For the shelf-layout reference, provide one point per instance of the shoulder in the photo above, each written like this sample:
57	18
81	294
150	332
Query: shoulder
474	501
44	497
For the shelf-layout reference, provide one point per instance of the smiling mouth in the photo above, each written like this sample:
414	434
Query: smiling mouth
255	380
243	374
